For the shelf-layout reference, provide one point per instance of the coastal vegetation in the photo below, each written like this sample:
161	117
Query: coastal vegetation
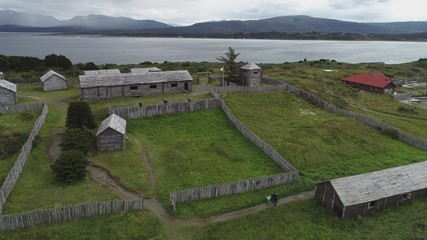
201	148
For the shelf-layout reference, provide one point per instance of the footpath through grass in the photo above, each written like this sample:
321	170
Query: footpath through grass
310	220
321	145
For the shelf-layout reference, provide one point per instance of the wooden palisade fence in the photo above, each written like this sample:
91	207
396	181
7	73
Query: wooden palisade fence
67	213
206	192
134	112
310	97
10	109
14	173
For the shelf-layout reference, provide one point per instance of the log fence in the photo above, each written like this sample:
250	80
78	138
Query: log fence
14	173
67	213
11	109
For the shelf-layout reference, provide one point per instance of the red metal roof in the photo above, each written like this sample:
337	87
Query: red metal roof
371	79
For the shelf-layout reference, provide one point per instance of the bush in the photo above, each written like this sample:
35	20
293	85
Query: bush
77	139
79	115
70	166
407	109
11	144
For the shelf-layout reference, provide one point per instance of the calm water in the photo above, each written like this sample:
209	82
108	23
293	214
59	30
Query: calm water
135	50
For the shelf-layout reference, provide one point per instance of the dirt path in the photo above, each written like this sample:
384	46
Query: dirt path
171	225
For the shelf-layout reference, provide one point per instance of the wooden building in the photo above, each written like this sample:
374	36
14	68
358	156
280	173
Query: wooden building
52	81
374	191
95	87
111	134
102	72
251	75
373	82
8	94
144	70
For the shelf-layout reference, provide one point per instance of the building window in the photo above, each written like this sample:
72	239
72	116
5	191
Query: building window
405	197
372	204
153	86
133	87
255	72
174	84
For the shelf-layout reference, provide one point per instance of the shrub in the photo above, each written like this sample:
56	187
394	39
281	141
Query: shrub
407	109
11	144
79	115
77	139
70	166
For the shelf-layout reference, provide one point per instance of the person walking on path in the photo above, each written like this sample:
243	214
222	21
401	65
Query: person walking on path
268	197
274	198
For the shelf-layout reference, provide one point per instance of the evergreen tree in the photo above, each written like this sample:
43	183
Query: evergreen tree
70	166
77	139
79	115
231	68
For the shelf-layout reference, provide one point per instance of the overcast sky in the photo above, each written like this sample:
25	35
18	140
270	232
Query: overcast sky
187	12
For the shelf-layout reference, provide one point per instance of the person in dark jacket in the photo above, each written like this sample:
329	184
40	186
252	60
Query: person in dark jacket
274	198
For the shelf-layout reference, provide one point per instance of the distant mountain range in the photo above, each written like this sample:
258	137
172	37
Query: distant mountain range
11	21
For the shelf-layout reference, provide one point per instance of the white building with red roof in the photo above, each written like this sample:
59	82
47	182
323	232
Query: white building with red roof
374	82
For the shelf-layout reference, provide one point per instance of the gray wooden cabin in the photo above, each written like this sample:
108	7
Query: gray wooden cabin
134	85
251	75
8	94
111	134
374	191
52	81
102	72
144	70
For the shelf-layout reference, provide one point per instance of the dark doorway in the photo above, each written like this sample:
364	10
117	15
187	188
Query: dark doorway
186	86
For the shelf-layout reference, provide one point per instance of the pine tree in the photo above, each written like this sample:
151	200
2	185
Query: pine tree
70	166
79	115
231	68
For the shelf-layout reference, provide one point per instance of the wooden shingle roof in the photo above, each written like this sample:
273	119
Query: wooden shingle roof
251	66
102	72
144	70
131	78
49	74
8	85
376	185
114	122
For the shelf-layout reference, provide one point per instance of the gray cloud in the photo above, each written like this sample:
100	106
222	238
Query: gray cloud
186	12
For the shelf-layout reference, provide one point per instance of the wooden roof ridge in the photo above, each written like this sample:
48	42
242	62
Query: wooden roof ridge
385	183
49	74
114	71
88	81
114	122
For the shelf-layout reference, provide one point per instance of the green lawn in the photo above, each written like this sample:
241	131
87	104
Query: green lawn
328	86
18	127
197	149
311	220
134	225
321	145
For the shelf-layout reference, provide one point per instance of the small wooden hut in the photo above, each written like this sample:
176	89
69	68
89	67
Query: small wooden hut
374	191
7	92
111	134
252	75
53	81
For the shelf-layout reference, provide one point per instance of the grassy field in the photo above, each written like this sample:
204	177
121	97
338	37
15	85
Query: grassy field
321	145
134	225
14	131
197	149
328	86
310	220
